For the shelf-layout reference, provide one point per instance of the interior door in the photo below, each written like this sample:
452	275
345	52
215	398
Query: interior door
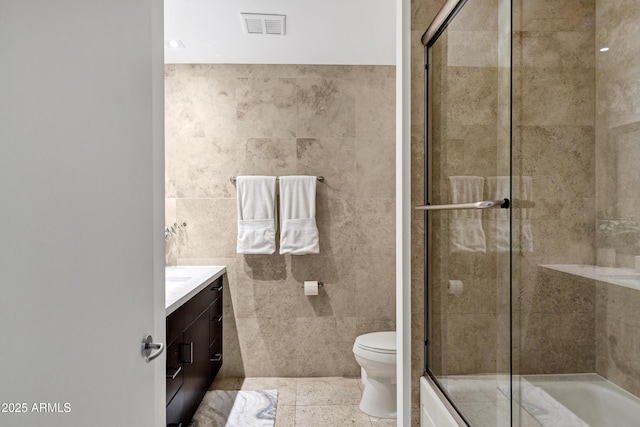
81	250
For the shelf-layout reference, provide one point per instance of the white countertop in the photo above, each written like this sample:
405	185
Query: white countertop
185	281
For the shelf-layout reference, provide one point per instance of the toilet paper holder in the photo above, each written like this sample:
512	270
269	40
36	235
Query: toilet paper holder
319	284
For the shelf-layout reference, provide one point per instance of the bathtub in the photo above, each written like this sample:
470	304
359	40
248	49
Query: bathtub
595	400
573	400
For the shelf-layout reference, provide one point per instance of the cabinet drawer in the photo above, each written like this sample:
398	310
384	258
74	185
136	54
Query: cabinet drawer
215	289
175	373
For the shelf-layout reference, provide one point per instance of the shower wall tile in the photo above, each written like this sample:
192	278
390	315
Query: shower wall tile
572	90
334	121
554	15
617	332
473	96
561	49
555	144
618	201
473	48
471	334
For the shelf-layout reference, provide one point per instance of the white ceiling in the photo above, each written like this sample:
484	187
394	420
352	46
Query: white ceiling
354	32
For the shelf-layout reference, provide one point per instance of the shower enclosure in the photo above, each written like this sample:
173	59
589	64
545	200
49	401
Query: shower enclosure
533	302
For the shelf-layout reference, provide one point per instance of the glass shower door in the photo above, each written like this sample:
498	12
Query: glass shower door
468	244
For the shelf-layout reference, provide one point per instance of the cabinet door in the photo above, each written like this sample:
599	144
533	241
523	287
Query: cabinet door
174	412
196	370
175	372
215	338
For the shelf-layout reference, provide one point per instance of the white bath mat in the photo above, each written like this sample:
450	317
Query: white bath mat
232	408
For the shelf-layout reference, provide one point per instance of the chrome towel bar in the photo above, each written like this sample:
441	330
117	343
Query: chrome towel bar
484	204
319	177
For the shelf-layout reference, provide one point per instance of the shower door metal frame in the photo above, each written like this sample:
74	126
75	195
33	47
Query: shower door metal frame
444	17
448	11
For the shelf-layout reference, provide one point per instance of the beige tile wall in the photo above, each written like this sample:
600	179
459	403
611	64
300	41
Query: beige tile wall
554	143
618	198
334	121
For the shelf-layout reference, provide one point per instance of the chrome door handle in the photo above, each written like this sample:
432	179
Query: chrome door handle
184	359
175	374
148	345
484	204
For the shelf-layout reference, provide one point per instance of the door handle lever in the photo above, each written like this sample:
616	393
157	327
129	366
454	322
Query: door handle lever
148	345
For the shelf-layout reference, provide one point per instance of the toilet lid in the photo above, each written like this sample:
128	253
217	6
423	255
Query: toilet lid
381	342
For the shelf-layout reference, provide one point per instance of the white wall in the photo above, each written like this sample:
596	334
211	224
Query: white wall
403	209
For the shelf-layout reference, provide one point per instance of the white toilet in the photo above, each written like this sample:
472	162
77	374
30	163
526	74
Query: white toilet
376	354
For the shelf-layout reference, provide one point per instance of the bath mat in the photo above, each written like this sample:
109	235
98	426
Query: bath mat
233	408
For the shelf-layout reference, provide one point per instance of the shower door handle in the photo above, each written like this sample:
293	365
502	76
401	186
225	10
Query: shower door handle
484	204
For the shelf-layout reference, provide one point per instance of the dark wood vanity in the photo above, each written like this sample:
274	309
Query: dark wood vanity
194	352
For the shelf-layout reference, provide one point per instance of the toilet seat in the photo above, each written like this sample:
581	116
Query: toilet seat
376	345
377	342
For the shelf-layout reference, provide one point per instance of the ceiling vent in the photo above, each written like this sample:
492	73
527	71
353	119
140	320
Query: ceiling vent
256	23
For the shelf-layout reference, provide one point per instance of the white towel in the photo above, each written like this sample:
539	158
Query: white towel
524	191
256	214
465	225
497	219
497	224
298	229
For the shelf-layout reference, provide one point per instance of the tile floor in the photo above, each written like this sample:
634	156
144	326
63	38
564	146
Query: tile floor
311	402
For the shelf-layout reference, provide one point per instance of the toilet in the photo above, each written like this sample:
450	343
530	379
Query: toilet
376	355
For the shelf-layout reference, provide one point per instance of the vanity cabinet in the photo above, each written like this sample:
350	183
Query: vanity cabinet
194	352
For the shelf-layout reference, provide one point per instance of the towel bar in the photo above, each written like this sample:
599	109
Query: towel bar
319	177
504	204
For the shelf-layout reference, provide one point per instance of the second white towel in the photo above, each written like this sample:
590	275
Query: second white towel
298	229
